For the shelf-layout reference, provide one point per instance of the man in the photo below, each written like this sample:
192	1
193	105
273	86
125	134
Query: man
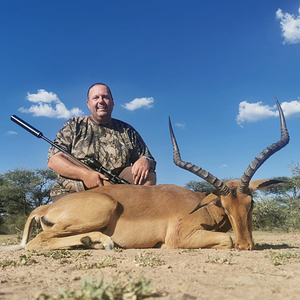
116	145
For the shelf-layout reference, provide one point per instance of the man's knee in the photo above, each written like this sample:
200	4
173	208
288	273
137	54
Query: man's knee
127	175
151	179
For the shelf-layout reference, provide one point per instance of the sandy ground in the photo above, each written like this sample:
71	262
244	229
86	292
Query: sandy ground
174	274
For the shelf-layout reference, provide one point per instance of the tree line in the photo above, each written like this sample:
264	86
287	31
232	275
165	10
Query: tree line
22	190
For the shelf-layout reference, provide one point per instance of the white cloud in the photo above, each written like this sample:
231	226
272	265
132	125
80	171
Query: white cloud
49	105
290	26
11	132
291	109
42	96
181	125
223	166
139	103
253	112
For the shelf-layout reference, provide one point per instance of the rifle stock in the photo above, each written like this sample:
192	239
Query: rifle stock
92	164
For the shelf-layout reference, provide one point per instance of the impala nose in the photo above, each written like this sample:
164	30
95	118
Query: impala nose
246	246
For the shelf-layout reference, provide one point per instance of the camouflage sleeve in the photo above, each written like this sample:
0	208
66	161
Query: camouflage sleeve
63	139
141	149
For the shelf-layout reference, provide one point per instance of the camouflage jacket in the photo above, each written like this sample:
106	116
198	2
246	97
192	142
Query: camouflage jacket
115	145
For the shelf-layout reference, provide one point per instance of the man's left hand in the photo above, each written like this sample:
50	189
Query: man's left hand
140	170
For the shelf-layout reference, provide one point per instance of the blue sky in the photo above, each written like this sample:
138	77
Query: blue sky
214	67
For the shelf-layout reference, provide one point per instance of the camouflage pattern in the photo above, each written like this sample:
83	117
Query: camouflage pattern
115	145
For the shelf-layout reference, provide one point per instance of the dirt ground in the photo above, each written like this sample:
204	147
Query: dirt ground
174	274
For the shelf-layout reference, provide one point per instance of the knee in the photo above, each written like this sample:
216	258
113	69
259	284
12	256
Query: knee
151	179
127	175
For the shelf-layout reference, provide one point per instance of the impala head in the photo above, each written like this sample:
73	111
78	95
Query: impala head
236	196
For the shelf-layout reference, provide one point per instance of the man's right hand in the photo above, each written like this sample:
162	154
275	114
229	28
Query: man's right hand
93	179
64	167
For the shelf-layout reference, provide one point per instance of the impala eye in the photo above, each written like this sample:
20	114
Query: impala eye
233	192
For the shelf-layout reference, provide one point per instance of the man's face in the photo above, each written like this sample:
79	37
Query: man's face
100	104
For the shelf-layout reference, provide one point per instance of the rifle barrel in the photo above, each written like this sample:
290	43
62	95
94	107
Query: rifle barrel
35	132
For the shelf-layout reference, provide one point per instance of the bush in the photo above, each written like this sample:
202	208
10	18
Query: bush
12	224
272	214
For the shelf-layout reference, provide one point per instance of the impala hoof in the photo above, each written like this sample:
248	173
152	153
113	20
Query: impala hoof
86	241
109	245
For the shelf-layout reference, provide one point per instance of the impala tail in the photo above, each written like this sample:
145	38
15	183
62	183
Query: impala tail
26	234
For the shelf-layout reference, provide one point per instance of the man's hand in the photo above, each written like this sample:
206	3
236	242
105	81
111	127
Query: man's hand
140	170
93	179
61	165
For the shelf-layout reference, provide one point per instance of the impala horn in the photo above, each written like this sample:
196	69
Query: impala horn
243	186
218	184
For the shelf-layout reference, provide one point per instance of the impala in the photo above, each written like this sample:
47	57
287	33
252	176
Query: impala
168	216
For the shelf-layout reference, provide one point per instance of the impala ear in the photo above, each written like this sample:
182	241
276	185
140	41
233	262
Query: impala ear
210	199
264	184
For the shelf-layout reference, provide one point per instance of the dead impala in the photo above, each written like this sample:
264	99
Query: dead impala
165	215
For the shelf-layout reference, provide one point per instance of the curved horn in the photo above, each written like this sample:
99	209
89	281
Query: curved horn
263	156
218	184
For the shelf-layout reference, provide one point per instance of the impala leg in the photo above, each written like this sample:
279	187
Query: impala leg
71	219
206	239
46	241
97	240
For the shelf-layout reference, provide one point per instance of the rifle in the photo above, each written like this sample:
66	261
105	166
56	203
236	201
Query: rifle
92	163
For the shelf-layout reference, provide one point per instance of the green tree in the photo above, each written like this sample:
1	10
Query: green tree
22	190
40	195
200	186
287	194
279	207
203	186
268	214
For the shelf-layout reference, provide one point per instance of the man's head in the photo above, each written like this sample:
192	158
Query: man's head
100	102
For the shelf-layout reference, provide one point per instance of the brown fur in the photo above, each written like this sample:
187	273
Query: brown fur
143	217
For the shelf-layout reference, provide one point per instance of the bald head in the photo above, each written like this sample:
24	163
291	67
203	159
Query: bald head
88	93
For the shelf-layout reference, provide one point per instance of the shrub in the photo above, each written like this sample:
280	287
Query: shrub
12	224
